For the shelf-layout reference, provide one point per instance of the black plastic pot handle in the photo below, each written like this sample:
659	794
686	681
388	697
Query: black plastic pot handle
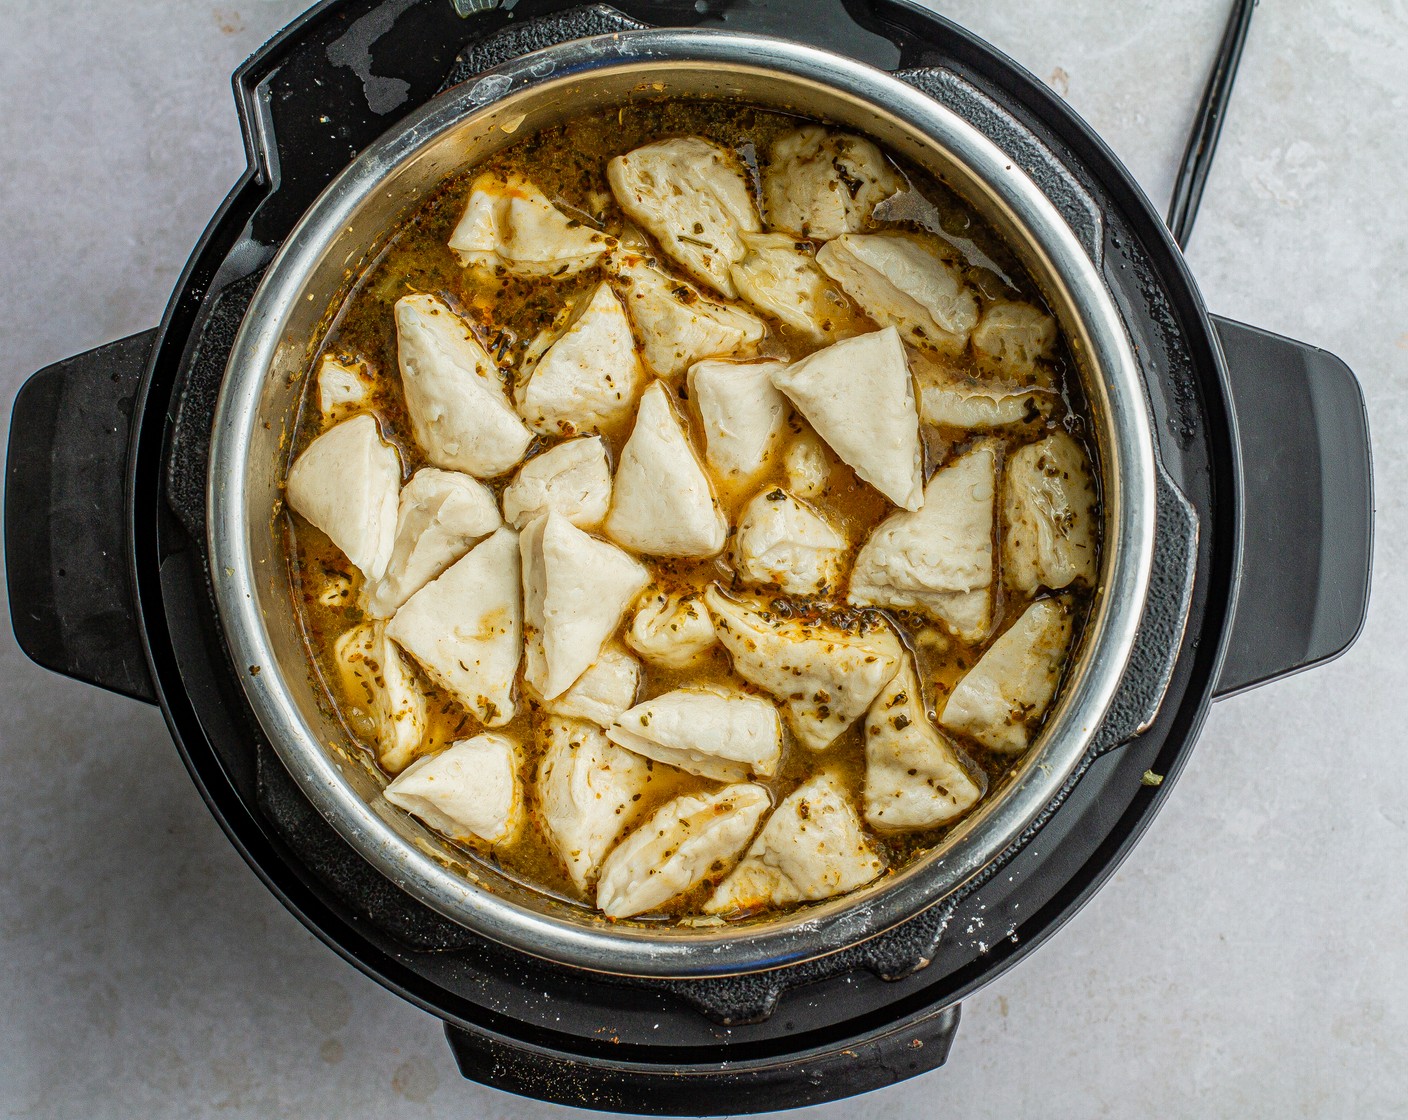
739	1084
65	518
1307	507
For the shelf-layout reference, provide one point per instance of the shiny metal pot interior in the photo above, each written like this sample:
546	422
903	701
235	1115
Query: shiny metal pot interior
340	232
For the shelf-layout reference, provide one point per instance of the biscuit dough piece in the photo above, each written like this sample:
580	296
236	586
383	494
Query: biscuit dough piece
900	282
441	515
913	775
576	588
677	324
589	791
716	733
573	479
509	224
821	184
691	196
825	677
1004	696
663	504
677	846
465	627
858	395
1048	505
346	483
588	377
384	691
939	559
460	412
812	847
470	790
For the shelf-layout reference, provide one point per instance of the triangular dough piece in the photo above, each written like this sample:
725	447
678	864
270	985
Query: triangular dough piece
825	677
939	559
673	631
780	277
1004	696
691	196
441	516
346	483
677	847
469	790
603	692
913	775
858	396
1049	507
677	324
821	184
509	224
573	478
900	283
742	414
951	396
716	733
662	504
466	628
589	791
460	413
808	465
575	591
812	847
343	387
1012	337
589	378
784	542
981	406
382	691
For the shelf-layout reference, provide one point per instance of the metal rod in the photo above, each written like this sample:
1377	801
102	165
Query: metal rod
1207	125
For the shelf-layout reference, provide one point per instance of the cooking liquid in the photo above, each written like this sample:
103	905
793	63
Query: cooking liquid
568	164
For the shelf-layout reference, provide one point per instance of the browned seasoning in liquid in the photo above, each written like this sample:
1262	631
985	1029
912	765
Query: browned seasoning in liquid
568	164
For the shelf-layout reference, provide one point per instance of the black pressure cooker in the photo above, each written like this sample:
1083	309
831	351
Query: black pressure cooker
1255	514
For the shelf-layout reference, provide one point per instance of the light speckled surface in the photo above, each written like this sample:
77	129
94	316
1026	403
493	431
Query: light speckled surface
1250	959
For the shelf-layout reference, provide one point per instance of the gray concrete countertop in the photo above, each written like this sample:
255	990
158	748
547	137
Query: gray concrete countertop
1249	960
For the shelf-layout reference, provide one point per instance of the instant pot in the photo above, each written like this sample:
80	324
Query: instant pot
141	476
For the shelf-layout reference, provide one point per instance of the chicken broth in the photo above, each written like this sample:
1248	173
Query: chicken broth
911	285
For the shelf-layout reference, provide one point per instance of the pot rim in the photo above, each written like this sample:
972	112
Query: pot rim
1073	286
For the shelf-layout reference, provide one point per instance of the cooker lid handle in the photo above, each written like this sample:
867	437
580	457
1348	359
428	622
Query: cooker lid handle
65	518
1307	507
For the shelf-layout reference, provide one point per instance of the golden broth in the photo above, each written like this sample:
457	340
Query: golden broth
568	164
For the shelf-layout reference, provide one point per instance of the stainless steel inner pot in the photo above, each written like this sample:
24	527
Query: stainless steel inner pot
339	234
